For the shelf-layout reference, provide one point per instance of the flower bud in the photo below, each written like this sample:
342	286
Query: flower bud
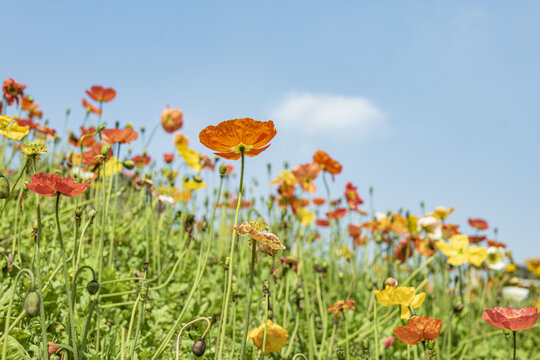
365	344
92	287
129	164
222	169
390	282
79	211
4	187
31	303
199	348
101	127
340	354
105	150
458	306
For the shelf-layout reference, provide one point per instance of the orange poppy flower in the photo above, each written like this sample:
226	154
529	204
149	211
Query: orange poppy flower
318	201
122	136
494	243
322	222
341	307
231	138
28	104
91	108
476	239
88	141
101	94
327	163
352	197
356	233
420	328
93	156
171	119
479	224
305	175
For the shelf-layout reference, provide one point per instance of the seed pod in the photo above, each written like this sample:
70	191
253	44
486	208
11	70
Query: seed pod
92	287
4	187
31	303
199	348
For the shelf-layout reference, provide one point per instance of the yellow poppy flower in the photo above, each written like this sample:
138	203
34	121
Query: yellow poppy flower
345	252
12	131
533	265
286	177
33	149
191	157
459	252
306	217
112	166
276	337
401	295
192	184
441	213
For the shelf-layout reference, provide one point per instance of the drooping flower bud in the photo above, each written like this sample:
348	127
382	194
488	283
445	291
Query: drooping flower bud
4	187
31	303
129	164
390	282
199	348
92	287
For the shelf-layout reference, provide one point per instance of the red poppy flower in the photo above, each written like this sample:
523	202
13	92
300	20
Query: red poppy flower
91	108
232	137
93	156
319	201
13	91
27	122
404	249
420	328
168	158
88	141
141	160
476	239
327	163
337	214
479	224
122	136
51	185
171	119
101	94
207	163
511	319
495	244
353	199
322	222
229	170
290	262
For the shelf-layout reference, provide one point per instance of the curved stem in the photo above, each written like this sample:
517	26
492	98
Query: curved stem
8	315
208	324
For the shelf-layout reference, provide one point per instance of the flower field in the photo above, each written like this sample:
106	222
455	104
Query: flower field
110	254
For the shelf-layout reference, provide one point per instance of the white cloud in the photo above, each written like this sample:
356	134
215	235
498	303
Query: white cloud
321	113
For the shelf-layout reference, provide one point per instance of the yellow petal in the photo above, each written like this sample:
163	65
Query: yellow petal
446	248
418	300
477	255
458	259
405	312
459	241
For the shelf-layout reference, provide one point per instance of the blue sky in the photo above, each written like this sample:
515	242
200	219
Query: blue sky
426	100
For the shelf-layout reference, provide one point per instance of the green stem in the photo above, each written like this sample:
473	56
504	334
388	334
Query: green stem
249	296
231	263
71	325
515	343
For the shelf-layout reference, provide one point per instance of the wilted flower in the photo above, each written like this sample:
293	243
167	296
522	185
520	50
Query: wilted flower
33	149
276	337
265	242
